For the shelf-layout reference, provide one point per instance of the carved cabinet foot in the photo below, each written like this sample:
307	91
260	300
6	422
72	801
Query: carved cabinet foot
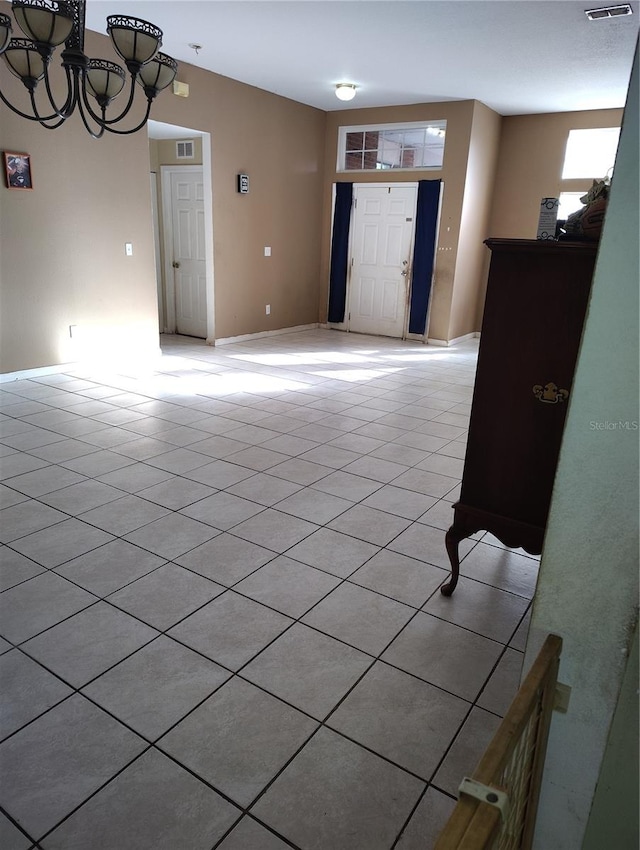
452	540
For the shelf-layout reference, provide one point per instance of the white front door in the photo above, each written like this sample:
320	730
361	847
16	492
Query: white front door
382	227
188	259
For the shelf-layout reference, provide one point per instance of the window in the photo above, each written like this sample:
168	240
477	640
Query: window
416	145
569	203
590	153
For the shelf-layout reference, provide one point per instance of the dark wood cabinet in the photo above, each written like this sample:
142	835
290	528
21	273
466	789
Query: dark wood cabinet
535	307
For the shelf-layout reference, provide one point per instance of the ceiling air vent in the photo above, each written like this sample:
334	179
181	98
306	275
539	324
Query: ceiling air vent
609	12
184	150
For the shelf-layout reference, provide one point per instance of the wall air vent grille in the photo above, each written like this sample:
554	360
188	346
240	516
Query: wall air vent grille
184	150
609	12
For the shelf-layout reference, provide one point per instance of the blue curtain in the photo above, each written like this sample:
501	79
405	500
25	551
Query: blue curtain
423	253
340	252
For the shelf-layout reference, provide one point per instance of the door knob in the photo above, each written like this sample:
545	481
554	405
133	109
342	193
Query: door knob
176	264
405	270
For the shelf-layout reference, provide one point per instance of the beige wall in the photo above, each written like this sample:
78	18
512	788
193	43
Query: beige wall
467	296
62	259
530	166
62	247
280	145
459	117
588	582
163	151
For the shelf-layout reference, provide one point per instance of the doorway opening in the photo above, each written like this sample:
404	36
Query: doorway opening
183	230
389	270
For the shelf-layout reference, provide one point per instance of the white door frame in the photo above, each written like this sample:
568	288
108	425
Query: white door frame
344	325
155	213
356	186
166	172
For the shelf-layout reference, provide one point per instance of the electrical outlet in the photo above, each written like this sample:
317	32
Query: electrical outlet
267	309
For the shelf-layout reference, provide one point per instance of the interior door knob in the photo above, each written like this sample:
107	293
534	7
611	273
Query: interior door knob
176	264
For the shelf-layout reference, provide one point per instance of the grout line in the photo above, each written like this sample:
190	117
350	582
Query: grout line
324	389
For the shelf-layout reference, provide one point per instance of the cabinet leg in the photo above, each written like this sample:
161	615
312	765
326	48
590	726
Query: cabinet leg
452	539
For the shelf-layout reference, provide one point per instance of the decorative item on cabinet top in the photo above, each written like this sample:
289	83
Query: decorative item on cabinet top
587	222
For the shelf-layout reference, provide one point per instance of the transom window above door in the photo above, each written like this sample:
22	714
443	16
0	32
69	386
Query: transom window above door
418	145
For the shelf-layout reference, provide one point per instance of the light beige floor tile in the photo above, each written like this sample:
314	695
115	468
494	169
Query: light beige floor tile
335	788
458	660
427	821
481	608
503	684
220	739
307	669
401	718
360	617
467	750
399	577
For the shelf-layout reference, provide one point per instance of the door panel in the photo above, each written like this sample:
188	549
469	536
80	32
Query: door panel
381	250
395	246
369	254
390	299
365	297
189	253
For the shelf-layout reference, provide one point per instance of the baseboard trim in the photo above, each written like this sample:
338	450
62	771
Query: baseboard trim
229	340
42	371
446	343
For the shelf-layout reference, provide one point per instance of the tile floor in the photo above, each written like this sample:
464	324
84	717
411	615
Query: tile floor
220	616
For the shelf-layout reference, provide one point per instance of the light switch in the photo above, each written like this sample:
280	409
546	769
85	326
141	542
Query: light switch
267	251
128	249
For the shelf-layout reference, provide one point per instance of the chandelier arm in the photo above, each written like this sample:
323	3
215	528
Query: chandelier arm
103	121
35	116
72	95
24	114
41	120
133	129
94	135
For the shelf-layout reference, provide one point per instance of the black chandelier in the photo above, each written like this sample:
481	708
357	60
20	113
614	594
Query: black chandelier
49	23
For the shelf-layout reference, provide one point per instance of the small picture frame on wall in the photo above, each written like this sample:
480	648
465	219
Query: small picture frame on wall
17	169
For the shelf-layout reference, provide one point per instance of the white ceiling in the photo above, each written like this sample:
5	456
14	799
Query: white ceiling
516	56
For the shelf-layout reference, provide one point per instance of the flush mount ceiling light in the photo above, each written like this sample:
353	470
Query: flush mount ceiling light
49	23
345	91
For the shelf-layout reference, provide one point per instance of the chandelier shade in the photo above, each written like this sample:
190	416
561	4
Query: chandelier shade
158	73
51	23
25	60
134	40
5	32
46	22
105	80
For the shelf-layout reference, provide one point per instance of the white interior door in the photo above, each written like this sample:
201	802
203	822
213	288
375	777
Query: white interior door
188	251
382	228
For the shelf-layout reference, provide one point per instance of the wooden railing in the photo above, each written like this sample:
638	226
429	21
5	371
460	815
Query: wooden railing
496	810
